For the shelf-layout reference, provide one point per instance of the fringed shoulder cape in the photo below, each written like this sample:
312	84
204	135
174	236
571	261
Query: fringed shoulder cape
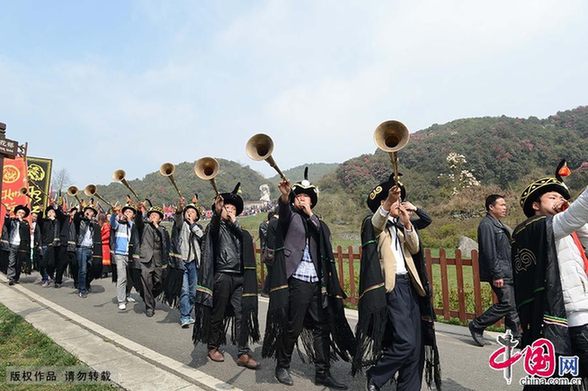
204	294
371	327
341	335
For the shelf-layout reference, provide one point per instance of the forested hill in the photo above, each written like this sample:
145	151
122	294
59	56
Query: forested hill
500	151
159	189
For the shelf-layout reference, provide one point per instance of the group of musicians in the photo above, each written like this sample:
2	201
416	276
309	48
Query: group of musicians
211	275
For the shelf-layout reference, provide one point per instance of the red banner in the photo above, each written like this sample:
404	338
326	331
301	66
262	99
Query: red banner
14	178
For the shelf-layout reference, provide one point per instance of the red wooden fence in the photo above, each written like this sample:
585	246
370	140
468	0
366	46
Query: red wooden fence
349	275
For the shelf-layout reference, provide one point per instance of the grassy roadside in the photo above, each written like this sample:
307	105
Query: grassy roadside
22	345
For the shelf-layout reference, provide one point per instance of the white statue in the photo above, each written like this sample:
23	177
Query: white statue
265	193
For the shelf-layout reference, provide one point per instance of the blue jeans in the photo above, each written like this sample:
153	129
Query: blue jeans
84	257
188	291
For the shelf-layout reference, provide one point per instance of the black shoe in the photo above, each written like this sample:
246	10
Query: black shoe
283	376
149	313
325	379
57	285
11	282
370	386
476	335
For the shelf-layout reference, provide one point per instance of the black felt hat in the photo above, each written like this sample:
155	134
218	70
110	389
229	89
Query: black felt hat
91	207
22	207
48	209
380	193
305	187
233	198
543	185
192	206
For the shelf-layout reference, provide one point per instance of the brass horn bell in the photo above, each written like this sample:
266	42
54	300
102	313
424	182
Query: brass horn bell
167	170
72	191
91	191
260	147
119	176
207	168
391	136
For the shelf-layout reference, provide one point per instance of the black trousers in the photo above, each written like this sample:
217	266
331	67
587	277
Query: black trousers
505	308
227	290
152	284
403	348
74	267
306	311
579	336
47	262
63	259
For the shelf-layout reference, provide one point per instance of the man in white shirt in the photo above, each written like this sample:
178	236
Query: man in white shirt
18	241
550	268
397	242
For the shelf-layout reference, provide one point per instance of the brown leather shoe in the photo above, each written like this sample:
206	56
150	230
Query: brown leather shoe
216	355
247	361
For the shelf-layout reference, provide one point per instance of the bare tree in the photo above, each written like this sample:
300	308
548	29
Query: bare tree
60	180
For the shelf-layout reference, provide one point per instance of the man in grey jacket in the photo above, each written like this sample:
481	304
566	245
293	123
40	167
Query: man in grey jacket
155	246
300	228
496	269
186	236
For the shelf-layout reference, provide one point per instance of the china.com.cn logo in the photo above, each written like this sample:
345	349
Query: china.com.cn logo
539	362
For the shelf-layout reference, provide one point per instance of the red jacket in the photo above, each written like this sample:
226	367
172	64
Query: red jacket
105	233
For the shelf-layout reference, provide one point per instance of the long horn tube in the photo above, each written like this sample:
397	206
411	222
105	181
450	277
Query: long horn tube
72	191
260	147
91	191
391	136
25	191
41	190
167	170
119	176
207	168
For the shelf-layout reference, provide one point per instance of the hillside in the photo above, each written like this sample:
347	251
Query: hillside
159	189
499	151
504	154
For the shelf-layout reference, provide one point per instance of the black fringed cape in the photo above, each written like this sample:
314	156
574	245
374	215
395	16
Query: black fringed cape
204	294
371	326
342	340
538	290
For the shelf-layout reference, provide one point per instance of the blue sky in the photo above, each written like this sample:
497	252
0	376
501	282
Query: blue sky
100	85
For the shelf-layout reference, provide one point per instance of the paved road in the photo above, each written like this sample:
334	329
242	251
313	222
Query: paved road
464	366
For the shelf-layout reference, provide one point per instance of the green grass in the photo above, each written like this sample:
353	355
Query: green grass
22	345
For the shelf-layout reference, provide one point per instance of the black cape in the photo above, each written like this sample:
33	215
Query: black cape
371	326
342	340
204	294
538	290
